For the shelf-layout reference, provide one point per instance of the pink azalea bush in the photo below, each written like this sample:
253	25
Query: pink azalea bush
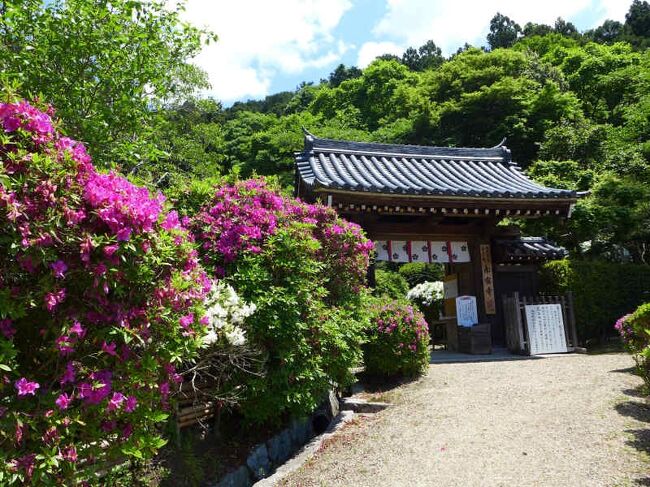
241	217
304	267
634	329
101	299
398	341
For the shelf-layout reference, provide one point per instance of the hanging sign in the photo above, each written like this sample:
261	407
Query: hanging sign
488	279
422	251
545	328
466	312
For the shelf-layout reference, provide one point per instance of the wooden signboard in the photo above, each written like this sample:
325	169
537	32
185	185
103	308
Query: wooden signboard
450	287
488	280
466	313
545	328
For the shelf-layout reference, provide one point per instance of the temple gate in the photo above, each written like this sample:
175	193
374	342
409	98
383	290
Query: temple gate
439	205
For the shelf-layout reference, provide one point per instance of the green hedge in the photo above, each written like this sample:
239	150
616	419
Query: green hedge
391	284
418	272
603	292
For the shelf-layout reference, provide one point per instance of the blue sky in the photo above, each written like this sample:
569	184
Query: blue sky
266	46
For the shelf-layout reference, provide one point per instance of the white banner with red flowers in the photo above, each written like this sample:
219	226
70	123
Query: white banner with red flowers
427	251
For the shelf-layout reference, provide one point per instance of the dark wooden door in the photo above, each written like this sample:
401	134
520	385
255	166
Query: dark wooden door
507	280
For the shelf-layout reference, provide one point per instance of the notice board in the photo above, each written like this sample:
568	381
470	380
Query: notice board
466	312
545	328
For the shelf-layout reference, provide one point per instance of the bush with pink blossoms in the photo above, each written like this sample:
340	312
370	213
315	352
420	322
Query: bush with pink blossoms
398	341
101	299
242	216
304	268
634	329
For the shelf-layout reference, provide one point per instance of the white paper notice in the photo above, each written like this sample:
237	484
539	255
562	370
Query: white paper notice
466	313
545	328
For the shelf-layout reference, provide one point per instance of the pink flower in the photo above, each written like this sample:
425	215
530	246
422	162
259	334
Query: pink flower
19	434
25	463
70	454
109	250
77	329
64	345
186	320
53	299
171	221
6	329
59	269
26	387
68	375
131	404
99	389
110	348
63	401
50	435
115	401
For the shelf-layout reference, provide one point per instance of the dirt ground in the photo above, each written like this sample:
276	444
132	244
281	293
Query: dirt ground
570	420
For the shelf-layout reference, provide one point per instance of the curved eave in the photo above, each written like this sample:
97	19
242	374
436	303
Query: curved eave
319	187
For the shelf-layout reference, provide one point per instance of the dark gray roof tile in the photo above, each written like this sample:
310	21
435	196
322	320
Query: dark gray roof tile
420	170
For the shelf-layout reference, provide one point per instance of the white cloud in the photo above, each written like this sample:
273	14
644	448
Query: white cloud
452	23
370	50
257	39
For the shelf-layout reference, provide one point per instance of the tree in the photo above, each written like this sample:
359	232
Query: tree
638	18
565	28
503	31
107	67
608	33
427	56
343	73
532	29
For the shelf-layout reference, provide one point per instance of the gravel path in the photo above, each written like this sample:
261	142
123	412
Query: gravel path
571	420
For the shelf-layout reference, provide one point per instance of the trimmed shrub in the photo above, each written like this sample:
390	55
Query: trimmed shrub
390	284
101	299
602	291
398	341
304	268
418	272
635	333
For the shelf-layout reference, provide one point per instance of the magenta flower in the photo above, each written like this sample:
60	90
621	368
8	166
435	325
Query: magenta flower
70	454
78	330
186	320
26	387
68	375
115	401
171	221
131	404
6	328
109	250
110	348
53	299
64	345
63	401
59	268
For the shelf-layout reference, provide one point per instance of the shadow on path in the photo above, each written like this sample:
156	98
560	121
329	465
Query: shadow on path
639	438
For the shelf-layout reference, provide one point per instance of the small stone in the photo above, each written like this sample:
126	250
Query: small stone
300	431
258	462
239	478
279	447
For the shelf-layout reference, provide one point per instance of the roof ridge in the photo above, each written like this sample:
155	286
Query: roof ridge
314	143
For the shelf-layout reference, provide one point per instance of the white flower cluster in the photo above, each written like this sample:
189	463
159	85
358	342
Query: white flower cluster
426	293
225	311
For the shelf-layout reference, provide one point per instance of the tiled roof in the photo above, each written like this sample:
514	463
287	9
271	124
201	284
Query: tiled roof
417	170
527	249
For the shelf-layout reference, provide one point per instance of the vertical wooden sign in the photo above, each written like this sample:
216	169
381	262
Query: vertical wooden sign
450	285
488	279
